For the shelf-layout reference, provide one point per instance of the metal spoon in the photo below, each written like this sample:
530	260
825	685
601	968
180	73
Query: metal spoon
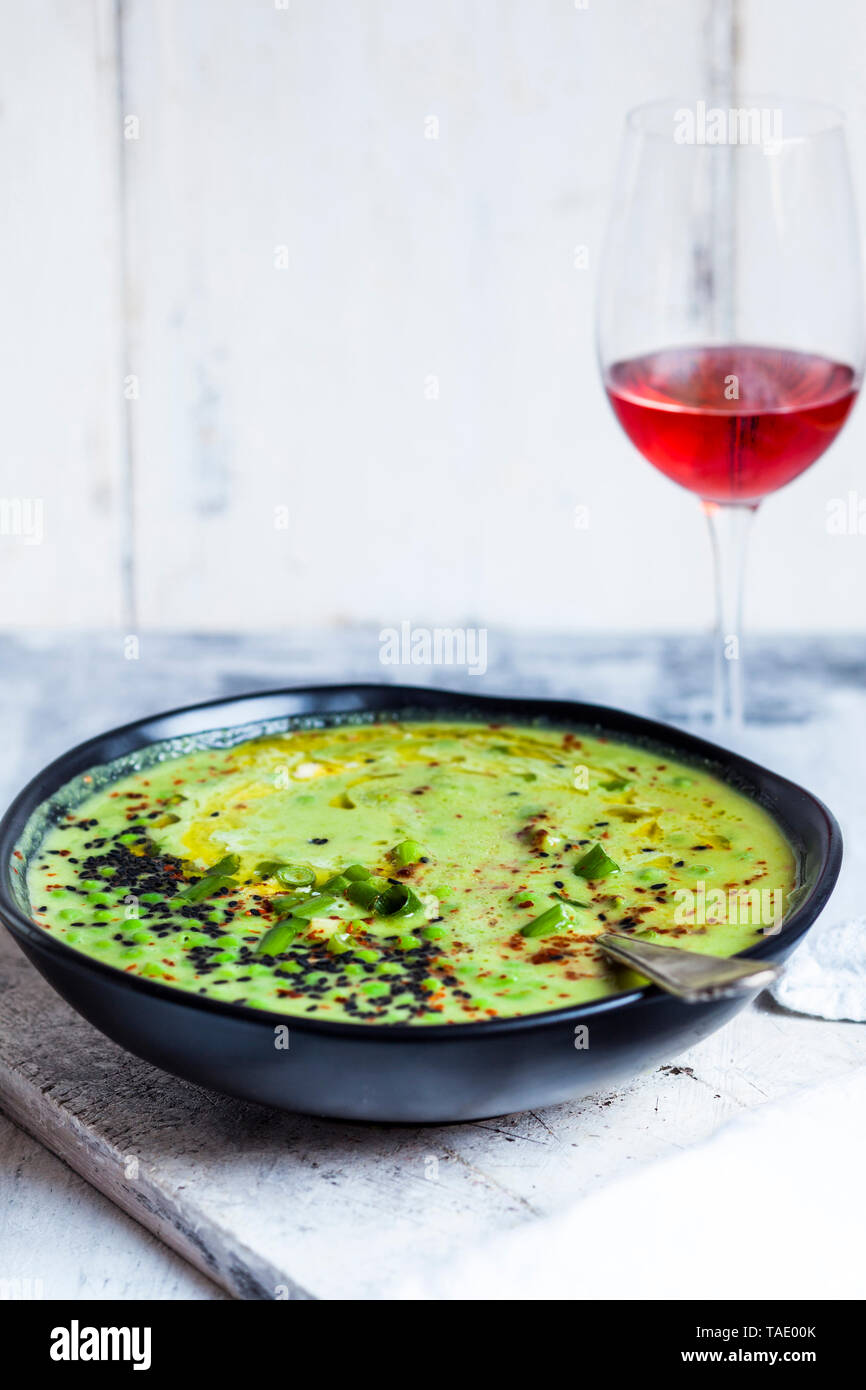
687	974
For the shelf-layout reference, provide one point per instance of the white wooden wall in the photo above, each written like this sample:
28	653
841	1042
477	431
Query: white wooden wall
293	331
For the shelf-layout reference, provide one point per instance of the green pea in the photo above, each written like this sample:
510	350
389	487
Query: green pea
407	852
374	989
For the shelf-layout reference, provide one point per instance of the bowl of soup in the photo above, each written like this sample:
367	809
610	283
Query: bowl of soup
378	902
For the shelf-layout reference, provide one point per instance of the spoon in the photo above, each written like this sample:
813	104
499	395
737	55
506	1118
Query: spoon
688	974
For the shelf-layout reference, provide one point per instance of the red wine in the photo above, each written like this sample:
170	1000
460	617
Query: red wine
731	423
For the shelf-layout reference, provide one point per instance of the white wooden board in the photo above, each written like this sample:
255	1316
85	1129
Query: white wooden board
63	479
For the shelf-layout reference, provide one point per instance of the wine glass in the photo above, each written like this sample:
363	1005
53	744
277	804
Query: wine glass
730	324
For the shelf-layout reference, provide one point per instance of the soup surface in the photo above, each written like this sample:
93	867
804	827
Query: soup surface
408	872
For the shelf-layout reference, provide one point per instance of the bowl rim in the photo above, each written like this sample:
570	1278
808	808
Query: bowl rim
574	712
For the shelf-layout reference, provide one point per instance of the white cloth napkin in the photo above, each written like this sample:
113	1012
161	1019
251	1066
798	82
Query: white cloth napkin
826	977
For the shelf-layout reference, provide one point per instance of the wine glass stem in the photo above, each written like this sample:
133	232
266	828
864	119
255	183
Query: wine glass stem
729	532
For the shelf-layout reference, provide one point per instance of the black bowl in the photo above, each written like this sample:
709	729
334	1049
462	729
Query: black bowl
397	1072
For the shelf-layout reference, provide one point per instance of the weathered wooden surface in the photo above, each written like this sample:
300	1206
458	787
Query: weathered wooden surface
273	1205
241	279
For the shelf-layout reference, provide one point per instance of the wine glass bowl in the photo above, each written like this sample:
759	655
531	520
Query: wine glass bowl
734	422
730	318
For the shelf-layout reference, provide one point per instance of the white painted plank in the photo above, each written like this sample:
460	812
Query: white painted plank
793	48
60	360
417	386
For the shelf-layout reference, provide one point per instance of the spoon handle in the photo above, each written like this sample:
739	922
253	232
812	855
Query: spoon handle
688	974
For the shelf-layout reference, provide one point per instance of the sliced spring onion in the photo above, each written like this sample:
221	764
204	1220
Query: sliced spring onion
268	867
217	877
595	864
297	875
338	884
570	901
408	904
616	784
279	937
392	900
554	919
355	873
364	893
316	905
284	904
228	865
